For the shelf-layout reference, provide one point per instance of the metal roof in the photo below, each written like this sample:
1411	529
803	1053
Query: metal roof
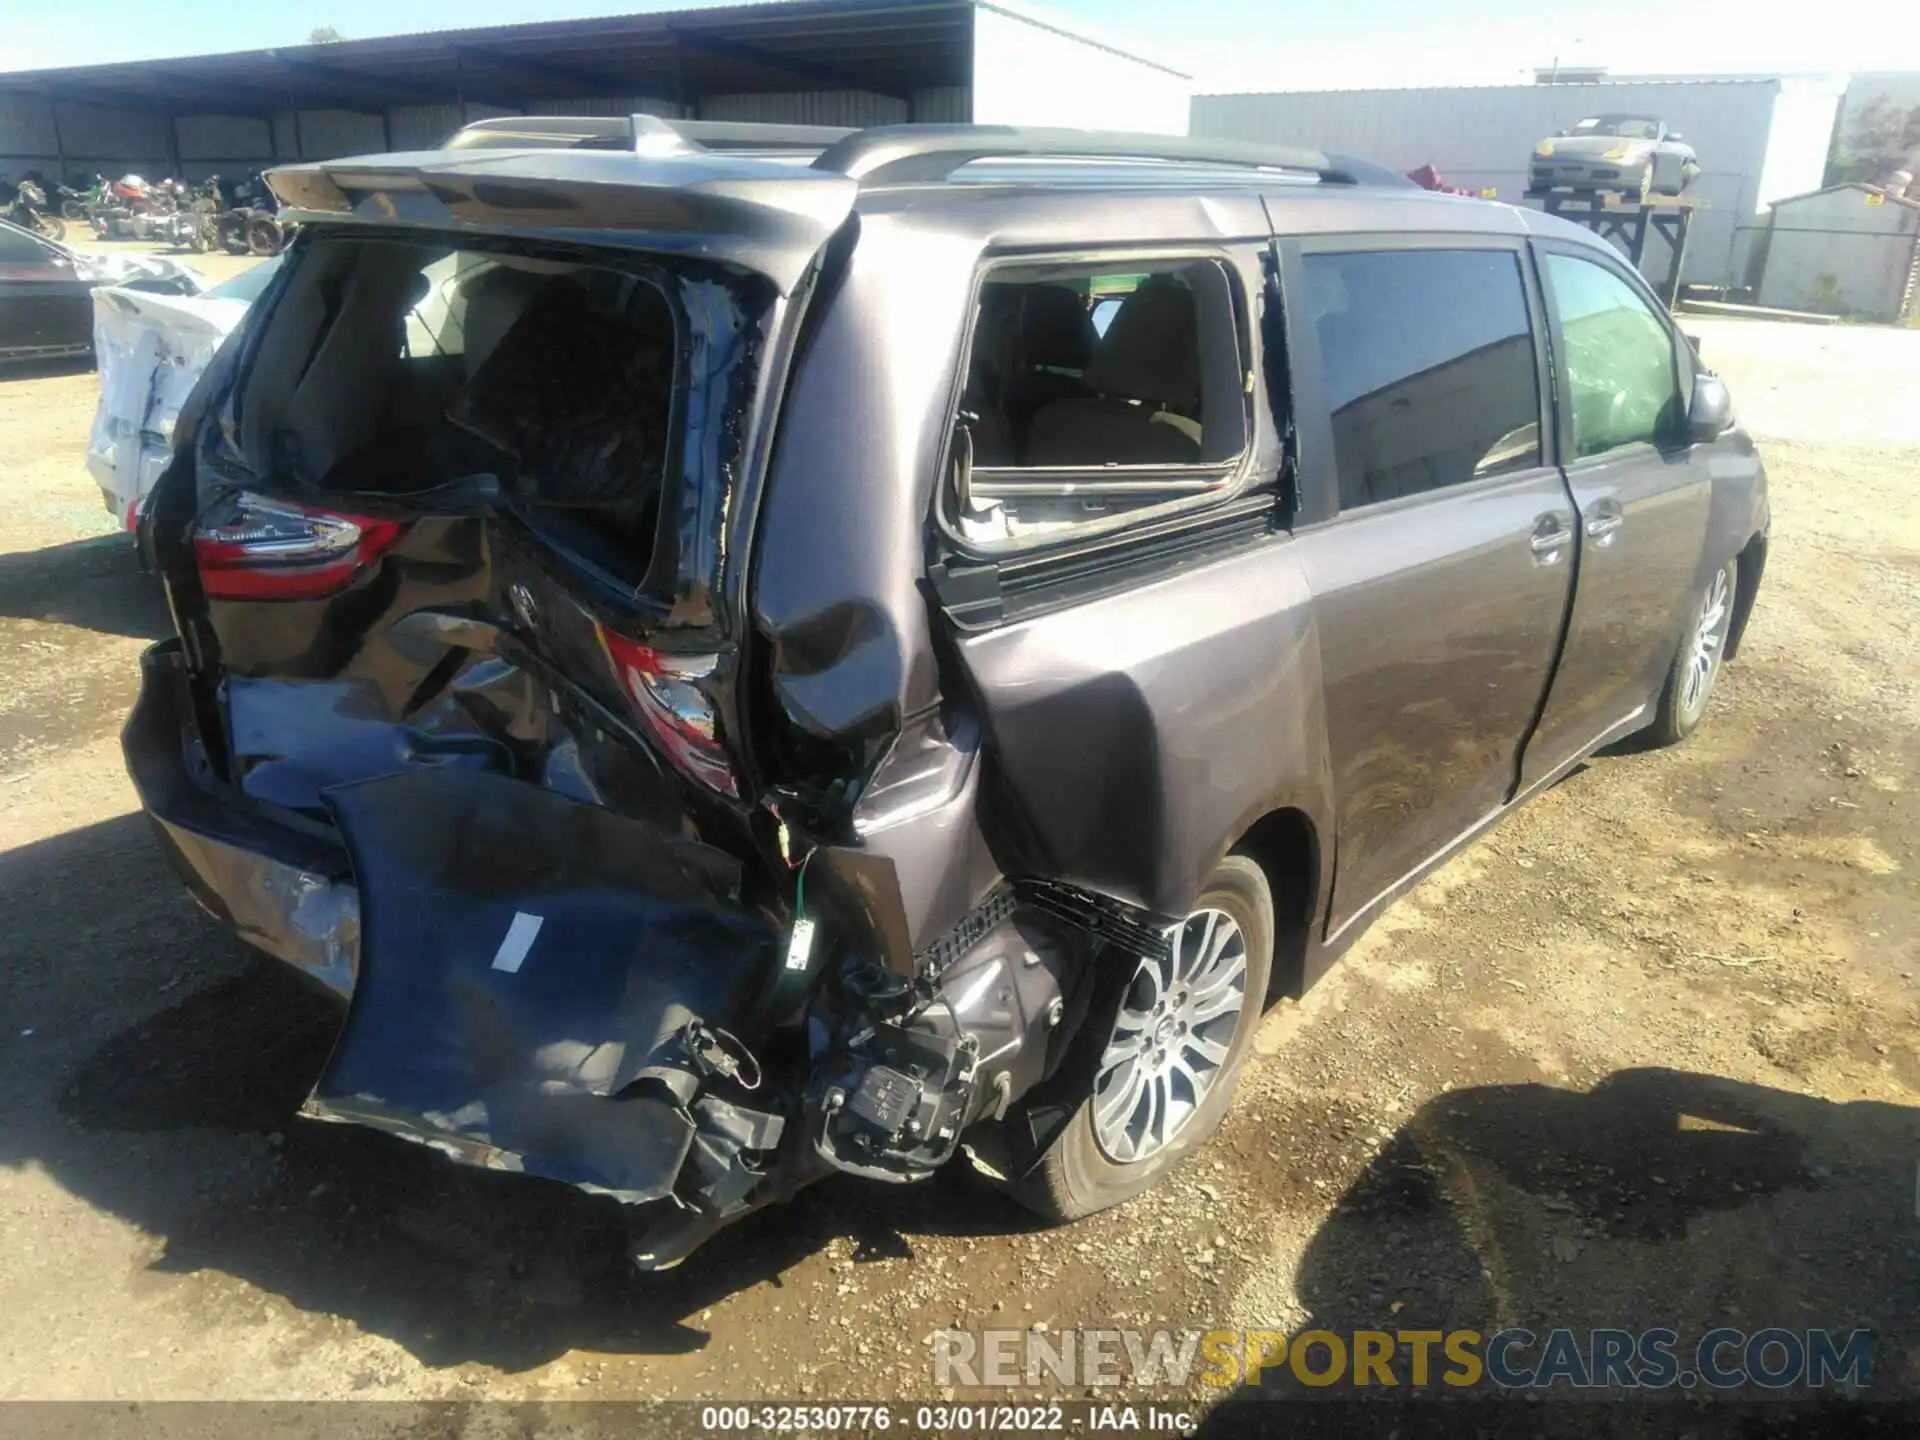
1912	202
887	47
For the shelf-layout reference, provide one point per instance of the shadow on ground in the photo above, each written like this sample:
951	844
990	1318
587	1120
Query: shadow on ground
42	369
160	1085
95	584
1660	1198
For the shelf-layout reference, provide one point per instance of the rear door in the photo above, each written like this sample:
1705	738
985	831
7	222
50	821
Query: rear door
1643	491
1437	535
44	306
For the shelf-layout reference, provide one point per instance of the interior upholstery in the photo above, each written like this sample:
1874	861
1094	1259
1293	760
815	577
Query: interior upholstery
1144	375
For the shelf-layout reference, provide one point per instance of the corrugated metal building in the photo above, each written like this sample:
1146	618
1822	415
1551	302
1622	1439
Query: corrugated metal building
1849	250
1758	138
821	62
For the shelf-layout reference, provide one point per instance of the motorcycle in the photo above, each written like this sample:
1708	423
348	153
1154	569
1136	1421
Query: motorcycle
250	227
168	212
29	211
79	206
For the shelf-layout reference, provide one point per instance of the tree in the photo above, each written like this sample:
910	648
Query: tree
323	35
1880	139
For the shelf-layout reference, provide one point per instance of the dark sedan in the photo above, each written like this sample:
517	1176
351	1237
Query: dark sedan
46	304
46	292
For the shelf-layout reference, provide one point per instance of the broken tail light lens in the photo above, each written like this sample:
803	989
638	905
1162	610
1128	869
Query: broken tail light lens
666	695
265	549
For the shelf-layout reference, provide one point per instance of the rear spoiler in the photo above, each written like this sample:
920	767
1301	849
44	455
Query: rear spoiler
760	215
639	134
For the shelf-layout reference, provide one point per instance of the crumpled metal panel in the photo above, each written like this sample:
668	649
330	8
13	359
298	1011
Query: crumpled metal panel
528	968
151	350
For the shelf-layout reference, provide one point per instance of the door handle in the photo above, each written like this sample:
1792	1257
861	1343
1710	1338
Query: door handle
1547	543
1602	523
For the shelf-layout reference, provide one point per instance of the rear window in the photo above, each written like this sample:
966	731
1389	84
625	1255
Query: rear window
392	366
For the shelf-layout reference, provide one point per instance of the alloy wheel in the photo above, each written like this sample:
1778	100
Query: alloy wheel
1171	1038
1708	642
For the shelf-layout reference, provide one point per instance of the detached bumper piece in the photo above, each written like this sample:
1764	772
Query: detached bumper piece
546	987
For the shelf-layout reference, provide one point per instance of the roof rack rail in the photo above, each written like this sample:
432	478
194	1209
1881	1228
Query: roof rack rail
647	134
909	154
903	154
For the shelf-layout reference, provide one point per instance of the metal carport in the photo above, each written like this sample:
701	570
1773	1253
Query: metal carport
845	62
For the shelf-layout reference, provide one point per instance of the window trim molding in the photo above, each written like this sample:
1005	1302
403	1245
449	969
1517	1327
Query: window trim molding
1214	483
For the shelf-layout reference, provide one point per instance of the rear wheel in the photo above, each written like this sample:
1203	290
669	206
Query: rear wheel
263	237
1697	666
1159	1063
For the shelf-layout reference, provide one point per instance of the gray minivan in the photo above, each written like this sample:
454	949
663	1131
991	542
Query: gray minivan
742	653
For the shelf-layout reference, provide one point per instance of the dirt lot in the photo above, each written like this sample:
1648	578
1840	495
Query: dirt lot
1460	1126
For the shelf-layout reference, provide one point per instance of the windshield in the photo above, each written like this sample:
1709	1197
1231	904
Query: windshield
1628	127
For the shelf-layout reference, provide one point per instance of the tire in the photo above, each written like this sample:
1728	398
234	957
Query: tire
1696	666
73	210
1077	1174
264	237
50	225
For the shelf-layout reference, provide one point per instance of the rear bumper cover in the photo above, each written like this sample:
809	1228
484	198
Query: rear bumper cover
284	889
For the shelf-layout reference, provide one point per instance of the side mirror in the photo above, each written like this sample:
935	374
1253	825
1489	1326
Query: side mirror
1712	409
1675	135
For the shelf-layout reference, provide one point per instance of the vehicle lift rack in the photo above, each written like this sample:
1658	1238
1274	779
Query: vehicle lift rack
1627	221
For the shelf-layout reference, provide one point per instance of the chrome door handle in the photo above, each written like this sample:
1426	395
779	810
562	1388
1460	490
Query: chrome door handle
1546	544
1602	525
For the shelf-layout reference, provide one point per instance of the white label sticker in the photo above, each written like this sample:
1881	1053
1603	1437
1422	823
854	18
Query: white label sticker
519	940
800	947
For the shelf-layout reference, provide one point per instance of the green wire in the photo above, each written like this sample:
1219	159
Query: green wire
800	889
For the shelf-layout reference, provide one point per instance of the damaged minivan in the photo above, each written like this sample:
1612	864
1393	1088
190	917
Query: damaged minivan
743	653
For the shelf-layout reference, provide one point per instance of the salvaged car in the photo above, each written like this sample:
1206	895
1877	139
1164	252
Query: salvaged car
46	293
739	655
1633	155
150	350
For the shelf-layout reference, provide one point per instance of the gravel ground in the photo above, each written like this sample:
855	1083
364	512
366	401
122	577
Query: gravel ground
1646	1053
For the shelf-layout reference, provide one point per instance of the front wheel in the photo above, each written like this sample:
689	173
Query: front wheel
1697	666
51	226
73	210
1157	1065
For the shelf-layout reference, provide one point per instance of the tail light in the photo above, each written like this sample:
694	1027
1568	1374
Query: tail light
275	550
667	697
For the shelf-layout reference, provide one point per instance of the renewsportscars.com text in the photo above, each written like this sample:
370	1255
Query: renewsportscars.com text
1772	1358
